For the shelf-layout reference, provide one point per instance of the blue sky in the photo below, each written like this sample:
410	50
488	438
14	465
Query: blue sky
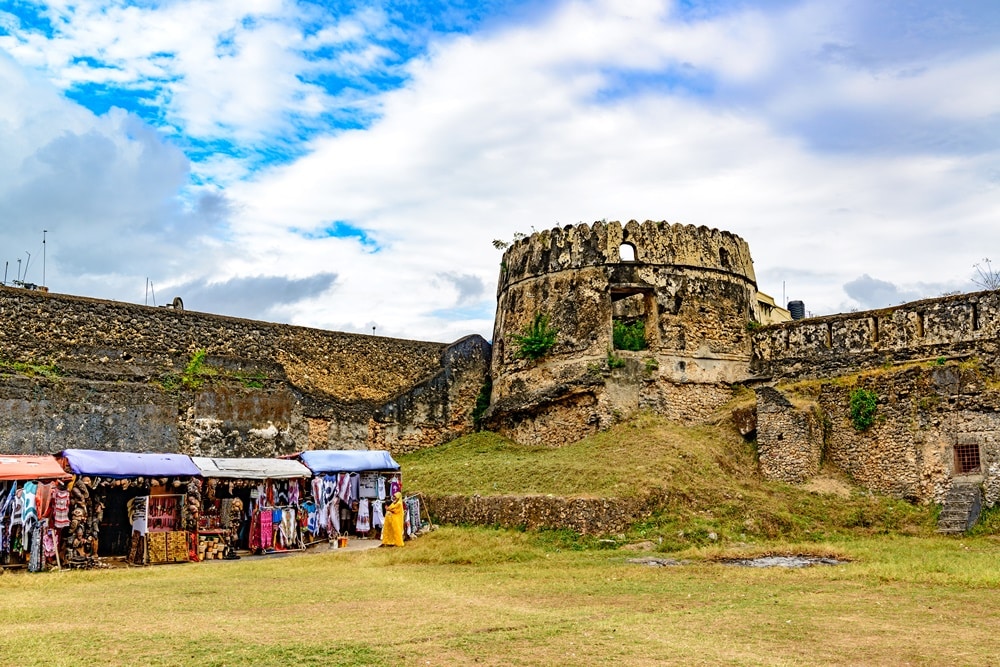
347	164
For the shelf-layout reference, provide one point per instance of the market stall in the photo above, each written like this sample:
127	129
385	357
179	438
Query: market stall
251	503
34	506
141	506
349	490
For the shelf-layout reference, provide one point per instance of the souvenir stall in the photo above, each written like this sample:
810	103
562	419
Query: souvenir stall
349	491
143	507
250	504
34	505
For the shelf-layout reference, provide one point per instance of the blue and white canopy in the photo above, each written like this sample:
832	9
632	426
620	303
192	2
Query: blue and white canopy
348	460
128	464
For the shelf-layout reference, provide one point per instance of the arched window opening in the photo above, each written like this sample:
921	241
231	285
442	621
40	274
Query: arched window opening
626	252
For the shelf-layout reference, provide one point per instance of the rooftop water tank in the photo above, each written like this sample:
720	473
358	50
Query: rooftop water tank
797	309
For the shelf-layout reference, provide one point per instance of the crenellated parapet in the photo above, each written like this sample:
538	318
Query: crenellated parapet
575	247
961	325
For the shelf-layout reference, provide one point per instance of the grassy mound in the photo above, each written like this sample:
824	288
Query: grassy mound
708	475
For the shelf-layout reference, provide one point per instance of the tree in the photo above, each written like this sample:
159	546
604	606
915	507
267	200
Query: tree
986	276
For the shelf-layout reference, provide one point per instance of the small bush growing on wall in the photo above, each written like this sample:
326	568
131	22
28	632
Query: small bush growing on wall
191	378
30	369
537	339
863	407
629	336
482	403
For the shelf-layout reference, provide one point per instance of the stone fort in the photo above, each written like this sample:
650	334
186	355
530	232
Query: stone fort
86	373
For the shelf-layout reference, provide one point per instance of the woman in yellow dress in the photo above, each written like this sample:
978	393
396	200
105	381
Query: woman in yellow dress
392	526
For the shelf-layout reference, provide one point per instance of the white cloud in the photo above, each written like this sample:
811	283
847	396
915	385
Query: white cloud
835	157
227	68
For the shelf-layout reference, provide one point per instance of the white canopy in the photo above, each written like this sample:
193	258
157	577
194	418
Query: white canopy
251	468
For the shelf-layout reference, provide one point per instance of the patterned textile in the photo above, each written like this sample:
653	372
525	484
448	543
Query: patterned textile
266	530
363	524
60	508
34	546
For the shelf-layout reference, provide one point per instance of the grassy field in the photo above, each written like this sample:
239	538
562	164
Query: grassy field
708	475
471	595
478	596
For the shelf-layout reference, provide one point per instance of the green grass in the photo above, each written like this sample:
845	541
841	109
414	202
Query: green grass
475	595
479	596
31	369
707	477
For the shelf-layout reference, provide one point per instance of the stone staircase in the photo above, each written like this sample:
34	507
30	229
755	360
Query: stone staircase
961	508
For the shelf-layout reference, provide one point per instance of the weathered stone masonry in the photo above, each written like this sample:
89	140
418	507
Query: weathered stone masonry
933	365
693	288
270	388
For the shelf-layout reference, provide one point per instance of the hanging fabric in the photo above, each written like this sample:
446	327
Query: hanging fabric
363	524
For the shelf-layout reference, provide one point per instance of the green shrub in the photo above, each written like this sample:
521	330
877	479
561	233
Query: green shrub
251	380
614	361
31	369
863	407
629	336
191	377
482	402
537	339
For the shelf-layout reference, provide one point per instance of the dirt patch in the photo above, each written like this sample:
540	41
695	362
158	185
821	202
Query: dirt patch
829	486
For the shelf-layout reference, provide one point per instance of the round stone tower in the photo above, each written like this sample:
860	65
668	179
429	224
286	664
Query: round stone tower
688	294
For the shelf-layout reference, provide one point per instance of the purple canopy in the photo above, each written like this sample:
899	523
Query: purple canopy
348	460
128	464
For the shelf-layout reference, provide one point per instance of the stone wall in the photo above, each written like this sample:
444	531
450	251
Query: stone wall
957	326
264	389
789	437
587	516
438	409
933	364
924	409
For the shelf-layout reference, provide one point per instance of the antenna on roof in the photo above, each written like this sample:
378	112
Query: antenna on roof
26	265
44	232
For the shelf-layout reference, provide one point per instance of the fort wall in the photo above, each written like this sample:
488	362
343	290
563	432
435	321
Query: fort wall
956	326
933	367
925	412
87	373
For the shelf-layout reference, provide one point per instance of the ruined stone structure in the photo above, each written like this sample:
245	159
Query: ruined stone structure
87	373
933	366
692	288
